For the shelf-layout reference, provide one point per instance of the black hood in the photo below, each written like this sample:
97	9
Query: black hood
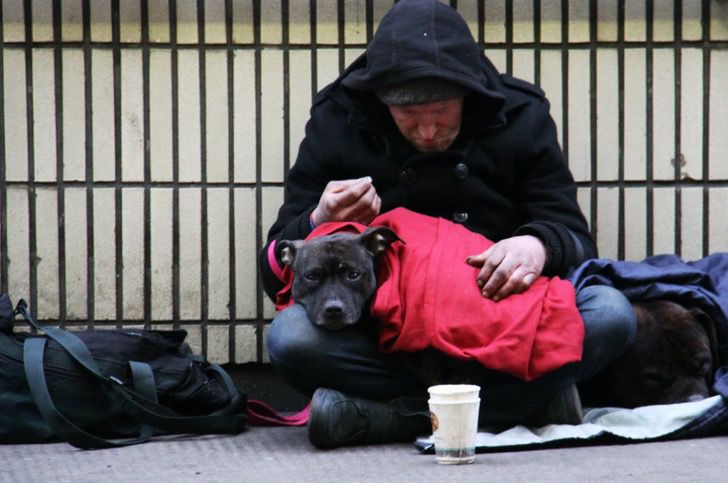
421	38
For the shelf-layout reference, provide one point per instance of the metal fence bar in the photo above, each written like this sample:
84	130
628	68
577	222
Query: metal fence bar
593	109
705	20
118	192
340	24
564	48
232	282
536	39
204	254
649	144
32	243
621	94
259	232
88	162
678	123
3	165
146	129
58	118
313	47
176	273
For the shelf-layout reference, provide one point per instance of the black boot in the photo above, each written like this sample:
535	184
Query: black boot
339	420
563	408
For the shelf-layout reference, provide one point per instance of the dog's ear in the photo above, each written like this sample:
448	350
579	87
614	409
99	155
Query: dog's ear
378	238
286	251
709	326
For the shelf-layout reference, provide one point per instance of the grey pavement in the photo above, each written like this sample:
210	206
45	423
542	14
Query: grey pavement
284	455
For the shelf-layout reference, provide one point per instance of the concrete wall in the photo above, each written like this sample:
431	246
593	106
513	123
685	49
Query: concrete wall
145	142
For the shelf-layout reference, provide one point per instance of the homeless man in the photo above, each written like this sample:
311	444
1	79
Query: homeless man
423	120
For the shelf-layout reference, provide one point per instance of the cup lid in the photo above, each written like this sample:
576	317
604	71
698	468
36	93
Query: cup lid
454	389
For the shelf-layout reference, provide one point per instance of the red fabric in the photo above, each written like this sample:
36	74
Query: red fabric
428	297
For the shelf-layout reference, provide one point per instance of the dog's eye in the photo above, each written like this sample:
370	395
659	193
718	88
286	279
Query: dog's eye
312	276
353	275
655	378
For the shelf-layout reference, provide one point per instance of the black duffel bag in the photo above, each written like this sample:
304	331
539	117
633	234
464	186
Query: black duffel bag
108	388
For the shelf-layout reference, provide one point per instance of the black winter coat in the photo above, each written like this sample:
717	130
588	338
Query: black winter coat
504	175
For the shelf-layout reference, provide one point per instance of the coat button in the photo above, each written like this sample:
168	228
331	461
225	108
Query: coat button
408	176
461	171
460	217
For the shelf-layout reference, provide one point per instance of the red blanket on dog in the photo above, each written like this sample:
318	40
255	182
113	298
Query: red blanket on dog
428	297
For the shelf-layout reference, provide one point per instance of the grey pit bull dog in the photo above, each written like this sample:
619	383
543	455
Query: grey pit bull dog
334	275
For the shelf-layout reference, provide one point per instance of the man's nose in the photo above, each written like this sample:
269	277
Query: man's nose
427	130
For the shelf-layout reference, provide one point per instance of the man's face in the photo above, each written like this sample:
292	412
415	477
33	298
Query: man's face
431	127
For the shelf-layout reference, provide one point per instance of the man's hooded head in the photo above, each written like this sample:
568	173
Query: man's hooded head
422	51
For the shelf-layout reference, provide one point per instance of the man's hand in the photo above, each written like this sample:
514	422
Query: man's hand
348	200
510	266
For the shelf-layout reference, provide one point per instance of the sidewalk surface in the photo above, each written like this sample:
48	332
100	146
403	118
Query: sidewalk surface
283	454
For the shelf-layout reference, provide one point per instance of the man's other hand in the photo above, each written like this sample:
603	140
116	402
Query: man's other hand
510	266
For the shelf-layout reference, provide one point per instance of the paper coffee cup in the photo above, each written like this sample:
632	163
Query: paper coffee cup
454	412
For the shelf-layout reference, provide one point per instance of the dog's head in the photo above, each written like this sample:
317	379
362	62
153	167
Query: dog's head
672	359
334	275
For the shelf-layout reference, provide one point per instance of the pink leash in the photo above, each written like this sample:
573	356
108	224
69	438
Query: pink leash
261	414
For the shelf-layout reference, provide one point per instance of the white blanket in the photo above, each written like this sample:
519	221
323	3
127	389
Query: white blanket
644	423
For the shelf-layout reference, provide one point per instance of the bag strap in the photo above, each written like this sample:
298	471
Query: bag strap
138	402
232	390
33	351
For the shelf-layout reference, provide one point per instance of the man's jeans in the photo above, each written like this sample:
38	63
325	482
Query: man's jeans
308	357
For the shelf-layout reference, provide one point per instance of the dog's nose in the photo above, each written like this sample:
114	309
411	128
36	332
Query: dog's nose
334	309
